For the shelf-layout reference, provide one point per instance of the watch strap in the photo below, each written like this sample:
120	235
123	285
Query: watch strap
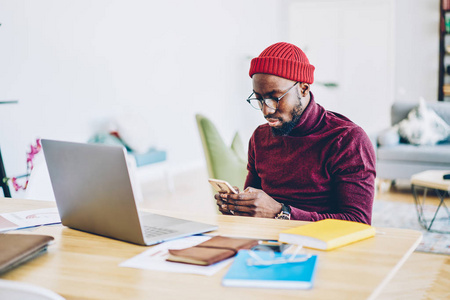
285	213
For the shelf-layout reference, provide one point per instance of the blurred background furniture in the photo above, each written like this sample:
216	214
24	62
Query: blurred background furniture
397	160
3	184
223	162
432	180
146	165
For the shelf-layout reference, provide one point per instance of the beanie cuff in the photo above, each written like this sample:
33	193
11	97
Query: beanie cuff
289	69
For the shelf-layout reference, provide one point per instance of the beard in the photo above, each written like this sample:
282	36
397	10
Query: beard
287	127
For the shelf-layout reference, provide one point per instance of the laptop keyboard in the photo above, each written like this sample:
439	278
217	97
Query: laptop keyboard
152	231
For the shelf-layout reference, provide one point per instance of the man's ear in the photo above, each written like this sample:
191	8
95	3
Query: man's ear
304	88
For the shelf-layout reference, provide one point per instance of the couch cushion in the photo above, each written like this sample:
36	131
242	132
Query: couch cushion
404	152
423	126
400	110
389	137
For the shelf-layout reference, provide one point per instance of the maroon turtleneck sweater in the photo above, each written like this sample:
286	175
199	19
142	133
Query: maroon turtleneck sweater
324	169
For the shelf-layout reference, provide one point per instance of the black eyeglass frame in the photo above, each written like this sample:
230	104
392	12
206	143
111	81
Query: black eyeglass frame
261	102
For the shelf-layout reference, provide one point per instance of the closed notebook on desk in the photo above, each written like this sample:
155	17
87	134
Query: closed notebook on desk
16	249
295	275
213	250
327	234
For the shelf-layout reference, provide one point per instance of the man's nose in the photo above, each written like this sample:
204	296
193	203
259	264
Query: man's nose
267	110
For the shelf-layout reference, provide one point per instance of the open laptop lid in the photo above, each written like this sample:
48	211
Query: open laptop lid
93	190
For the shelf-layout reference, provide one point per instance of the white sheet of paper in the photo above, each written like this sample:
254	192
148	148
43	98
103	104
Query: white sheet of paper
29	218
155	258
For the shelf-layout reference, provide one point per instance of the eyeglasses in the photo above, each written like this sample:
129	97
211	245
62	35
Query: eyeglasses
264	256
270	102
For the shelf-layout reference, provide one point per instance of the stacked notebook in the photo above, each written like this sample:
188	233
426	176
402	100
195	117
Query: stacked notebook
327	234
324	235
212	251
16	249
296	275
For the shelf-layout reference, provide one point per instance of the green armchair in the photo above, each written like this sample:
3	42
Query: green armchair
223	162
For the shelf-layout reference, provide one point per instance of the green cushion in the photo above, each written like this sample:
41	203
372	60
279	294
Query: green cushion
226	163
238	148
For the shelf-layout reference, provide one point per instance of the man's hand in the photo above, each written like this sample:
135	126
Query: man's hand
252	202
221	202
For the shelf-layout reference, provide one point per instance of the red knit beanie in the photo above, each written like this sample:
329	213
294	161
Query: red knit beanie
284	60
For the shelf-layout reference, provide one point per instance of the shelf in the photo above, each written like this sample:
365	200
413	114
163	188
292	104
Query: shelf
446	89
444	31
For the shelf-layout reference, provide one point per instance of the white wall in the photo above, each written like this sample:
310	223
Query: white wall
416	49
74	64
349	43
377	51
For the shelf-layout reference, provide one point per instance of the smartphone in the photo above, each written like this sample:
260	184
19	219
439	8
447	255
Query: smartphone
275	246
222	186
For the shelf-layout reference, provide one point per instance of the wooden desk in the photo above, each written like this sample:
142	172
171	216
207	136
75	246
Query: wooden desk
82	265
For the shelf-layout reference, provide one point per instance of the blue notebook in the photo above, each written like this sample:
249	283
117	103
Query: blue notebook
298	275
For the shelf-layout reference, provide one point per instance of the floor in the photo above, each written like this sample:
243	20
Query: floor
423	276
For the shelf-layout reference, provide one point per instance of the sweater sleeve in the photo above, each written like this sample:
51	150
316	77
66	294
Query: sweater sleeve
352	168
252	179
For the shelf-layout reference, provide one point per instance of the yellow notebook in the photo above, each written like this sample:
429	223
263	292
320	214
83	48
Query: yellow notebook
327	234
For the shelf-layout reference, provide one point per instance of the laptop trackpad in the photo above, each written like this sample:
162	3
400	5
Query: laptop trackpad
157	225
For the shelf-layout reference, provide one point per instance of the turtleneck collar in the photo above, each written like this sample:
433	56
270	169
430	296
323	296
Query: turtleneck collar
310	118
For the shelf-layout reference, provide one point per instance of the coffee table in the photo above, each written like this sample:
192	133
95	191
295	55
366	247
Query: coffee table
431	180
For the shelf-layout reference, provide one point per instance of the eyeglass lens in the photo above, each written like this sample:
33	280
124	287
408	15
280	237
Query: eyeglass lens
271	103
258	104
265	256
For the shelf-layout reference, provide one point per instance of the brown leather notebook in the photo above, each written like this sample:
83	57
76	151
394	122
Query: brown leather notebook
16	249
213	250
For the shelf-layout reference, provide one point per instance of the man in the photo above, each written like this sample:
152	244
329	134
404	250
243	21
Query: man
306	163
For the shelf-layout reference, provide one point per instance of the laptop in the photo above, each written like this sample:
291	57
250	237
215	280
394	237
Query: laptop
94	193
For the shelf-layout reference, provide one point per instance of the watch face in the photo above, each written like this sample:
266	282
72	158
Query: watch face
283	216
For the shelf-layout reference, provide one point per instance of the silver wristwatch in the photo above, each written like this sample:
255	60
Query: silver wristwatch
285	213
